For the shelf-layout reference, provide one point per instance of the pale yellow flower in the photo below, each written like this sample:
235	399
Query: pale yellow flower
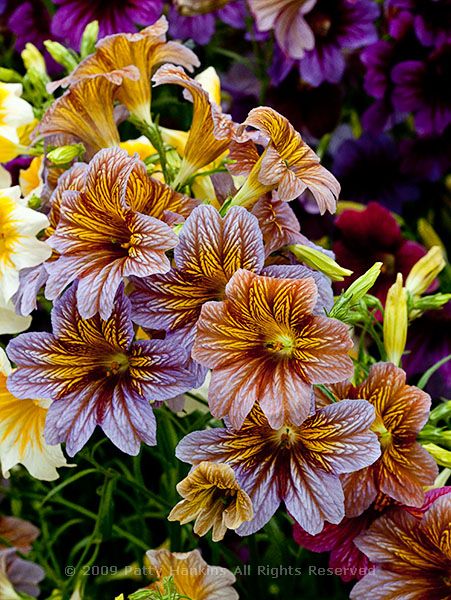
30	179
395	321
22	433
423	273
10	321
19	247
14	113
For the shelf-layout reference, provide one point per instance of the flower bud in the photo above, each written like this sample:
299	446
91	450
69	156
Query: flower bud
432	302
441	455
61	55
65	154
89	39
9	76
395	321
355	292
33	59
319	261
425	271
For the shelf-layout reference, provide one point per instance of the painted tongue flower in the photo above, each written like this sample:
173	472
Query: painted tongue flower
108	231
287	163
404	467
412	558
299	465
97	375
18	576
336	26
113	16
15	114
430	19
213	498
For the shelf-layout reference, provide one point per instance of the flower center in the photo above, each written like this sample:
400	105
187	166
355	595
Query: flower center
385	436
116	364
320	24
285	437
283	345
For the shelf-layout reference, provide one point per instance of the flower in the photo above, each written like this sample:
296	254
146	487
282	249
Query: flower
369	169
265	341
412	558
111	230
395	321
192	577
10	322
96	375
287	19
418	88
404	467
30	179
211	129
337	27
373	235
15	113
19	247
287	164
18	576
424	272
298	465
144	50
85	112
214	499
22	433
430	19
72	16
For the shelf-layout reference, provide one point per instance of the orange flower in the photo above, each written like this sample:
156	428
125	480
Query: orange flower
214	499
287	164
211	130
145	50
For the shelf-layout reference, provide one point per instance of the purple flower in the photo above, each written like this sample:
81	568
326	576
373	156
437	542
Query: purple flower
420	88
426	157
369	169
297	465
114	16
18	575
337	26
430	18
97	375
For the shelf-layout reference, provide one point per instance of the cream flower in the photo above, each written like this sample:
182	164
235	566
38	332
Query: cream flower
14	113
22	433
10	322
19	247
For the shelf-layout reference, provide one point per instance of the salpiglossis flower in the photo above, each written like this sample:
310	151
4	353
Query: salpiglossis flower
111	230
412	558
213	499
15	113
265	343
287	163
404	467
97	375
22	440
299	465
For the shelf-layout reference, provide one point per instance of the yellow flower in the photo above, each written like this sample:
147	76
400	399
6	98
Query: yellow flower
214	499
22	433
10	321
395	321
140	146
14	113
30	179
19	247
425	271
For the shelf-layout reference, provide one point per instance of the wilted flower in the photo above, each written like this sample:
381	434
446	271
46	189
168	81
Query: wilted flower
97	375
296	465
396	321
287	164
404	467
265	343
19	247
111	230
412	557
22	433
192	577
214	499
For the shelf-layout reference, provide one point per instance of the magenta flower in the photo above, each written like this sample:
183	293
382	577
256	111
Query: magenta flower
97	375
297	465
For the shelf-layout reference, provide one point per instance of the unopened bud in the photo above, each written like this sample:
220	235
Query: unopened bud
356	291
441	455
9	76
63	56
425	271
65	154
395	321
33	59
89	39
319	261
421	304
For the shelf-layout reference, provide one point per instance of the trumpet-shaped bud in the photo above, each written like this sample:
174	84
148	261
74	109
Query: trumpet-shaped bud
33	60
355	292
425	271
319	261
395	321
63	56
63	155
441	455
89	39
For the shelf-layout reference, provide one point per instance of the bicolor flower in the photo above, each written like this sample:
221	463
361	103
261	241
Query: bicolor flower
192	577
287	163
405	467
18	576
96	375
213	499
145	50
22	440
211	130
299	465
14	113
85	112
412	557
264	343
19	247
111	230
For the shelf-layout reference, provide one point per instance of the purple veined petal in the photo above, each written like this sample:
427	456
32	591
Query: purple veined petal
261	485
97	290
199	28
57	274
202	445
23	574
128	420
313	496
30	282
323	283
293	34
324	63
